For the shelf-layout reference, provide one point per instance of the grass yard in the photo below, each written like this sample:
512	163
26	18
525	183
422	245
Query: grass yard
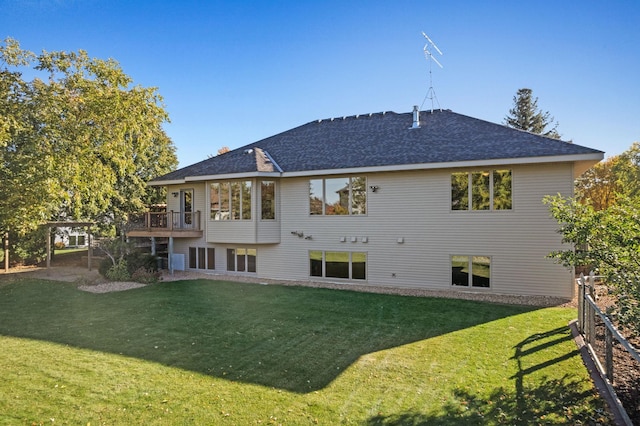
211	352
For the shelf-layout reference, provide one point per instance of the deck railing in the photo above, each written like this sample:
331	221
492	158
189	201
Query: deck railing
171	221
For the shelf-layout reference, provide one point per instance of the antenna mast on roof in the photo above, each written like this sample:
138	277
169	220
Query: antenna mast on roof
431	93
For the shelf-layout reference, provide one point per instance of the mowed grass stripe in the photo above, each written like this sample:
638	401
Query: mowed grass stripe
229	353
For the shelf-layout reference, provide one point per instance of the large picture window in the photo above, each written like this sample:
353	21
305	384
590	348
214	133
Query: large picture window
230	200
471	271
338	264
338	196
481	190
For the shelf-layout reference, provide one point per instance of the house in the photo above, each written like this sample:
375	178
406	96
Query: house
67	236
429	199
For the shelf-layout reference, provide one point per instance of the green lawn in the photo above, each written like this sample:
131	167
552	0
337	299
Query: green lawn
211	352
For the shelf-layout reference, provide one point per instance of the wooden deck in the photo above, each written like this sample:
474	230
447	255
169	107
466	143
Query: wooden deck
166	224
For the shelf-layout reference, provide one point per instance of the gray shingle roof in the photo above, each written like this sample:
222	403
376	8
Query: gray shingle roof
378	140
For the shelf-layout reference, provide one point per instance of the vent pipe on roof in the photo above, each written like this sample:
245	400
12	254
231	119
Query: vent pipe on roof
416	118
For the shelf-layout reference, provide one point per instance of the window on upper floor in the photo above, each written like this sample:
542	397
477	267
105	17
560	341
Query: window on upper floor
268	199
230	200
489	189
338	196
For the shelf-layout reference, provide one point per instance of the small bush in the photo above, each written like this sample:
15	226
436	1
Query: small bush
134	261
146	276
104	266
118	272
59	245
138	260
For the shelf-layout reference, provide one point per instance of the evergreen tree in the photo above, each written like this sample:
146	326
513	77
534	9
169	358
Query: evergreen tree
525	116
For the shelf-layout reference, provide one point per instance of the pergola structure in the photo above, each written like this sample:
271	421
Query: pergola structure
86	225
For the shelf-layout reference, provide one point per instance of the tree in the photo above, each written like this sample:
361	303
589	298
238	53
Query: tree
627	171
616	176
600	186
609	242
79	141
525	116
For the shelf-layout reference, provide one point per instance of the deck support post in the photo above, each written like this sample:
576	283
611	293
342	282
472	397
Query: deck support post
5	244
48	247
171	255
89	248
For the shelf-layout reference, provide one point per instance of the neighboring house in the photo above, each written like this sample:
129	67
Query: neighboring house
434	200
72	237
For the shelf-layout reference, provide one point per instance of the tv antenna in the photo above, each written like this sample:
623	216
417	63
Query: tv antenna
431	93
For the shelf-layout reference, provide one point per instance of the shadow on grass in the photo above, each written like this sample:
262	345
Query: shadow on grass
538	400
293	338
555	402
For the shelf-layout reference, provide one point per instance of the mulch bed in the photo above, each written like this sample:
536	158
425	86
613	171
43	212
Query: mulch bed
626	370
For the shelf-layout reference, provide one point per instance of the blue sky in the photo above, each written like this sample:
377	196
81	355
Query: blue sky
234	72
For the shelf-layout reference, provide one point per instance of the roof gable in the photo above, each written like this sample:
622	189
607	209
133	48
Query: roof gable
381	140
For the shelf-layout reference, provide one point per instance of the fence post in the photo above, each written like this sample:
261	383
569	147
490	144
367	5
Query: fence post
581	283
608	353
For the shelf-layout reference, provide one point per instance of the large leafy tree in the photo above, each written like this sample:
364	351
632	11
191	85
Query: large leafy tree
609	242
525	115
627	171
603	222
615	177
599	186
78	141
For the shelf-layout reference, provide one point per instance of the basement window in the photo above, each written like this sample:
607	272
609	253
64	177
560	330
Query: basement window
471	271
338	264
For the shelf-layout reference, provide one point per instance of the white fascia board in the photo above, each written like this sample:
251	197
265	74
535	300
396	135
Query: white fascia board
581	158
165	182
232	176
596	157
215	177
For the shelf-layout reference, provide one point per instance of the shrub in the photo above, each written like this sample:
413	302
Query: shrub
138	260
118	272
104	266
146	276
59	245
121	255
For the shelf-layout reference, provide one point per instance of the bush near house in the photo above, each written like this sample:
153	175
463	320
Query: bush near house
135	266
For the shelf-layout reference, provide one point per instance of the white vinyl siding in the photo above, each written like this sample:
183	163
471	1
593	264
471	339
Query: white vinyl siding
410	232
